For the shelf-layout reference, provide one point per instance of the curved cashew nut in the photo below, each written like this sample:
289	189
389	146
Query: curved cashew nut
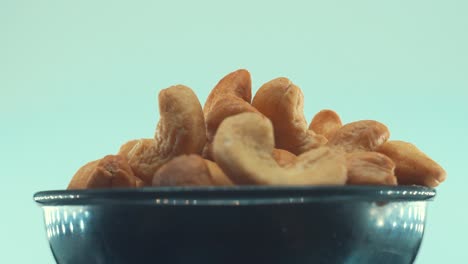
243	148
412	165
365	135
190	170
181	130
231	96
370	168
109	172
326	123
283	103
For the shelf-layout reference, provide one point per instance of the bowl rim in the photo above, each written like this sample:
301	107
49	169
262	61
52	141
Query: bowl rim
233	195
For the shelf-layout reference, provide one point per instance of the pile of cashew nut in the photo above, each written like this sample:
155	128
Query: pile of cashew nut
237	140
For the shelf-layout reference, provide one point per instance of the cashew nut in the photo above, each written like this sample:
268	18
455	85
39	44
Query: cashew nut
109	172
190	170
326	123
243	148
231	96
283	103
370	168
412	165
365	135
181	130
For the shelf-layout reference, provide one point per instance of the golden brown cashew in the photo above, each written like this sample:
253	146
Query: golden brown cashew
243	148
412	165
283	103
231	96
190	170
370	168
109	172
181	130
365	135
81	177
326	123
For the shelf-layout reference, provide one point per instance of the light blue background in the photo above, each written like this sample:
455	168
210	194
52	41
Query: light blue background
79	78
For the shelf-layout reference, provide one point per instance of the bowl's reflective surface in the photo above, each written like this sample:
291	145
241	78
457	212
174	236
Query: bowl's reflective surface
236	225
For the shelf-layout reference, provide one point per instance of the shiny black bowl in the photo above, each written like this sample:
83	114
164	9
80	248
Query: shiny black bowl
347	224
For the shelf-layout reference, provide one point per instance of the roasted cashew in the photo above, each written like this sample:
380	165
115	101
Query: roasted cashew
231	96
181	130
283	103
190	170
112	171
412	165
243	148
364	135
326	123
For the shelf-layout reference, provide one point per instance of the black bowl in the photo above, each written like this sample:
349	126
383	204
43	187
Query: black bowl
248	224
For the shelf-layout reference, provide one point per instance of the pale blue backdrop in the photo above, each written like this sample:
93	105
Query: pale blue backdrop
78	78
